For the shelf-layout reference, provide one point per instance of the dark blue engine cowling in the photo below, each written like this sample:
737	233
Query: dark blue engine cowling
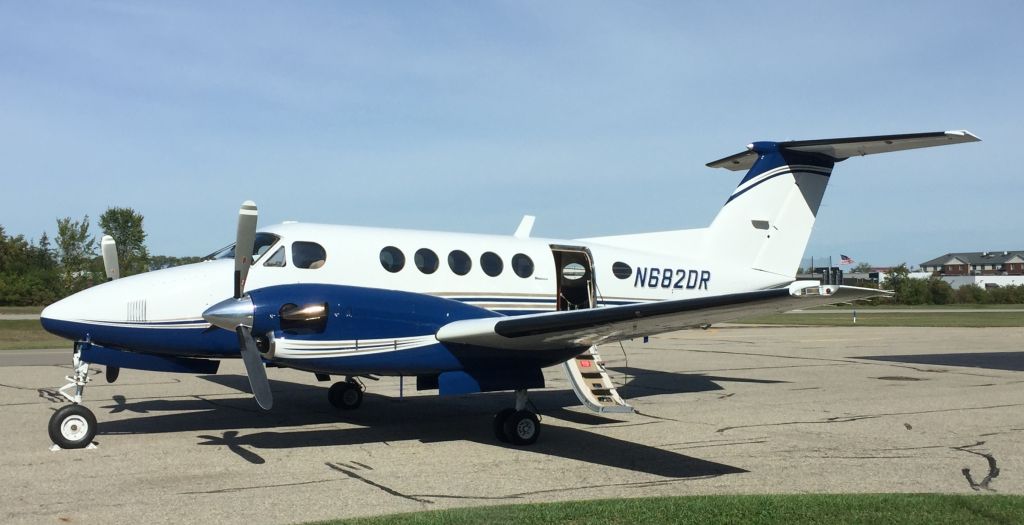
356	315
360	313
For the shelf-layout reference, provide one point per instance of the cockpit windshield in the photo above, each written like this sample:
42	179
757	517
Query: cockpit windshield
264	241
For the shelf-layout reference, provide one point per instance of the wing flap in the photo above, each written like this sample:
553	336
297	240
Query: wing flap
584	328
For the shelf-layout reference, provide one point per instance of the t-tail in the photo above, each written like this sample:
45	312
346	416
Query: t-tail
768	218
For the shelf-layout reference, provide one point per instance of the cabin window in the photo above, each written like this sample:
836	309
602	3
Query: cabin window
522	265
392	259
459	262
491	264
426	260
277	260
622	270
309	255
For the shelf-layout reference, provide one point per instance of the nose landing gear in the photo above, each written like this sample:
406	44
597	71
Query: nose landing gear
73	426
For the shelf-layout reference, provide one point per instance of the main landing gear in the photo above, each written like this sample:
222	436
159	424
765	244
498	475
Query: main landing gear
346	395
517	425
74	426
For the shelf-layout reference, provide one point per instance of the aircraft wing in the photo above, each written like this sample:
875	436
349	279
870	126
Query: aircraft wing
844	148
583	328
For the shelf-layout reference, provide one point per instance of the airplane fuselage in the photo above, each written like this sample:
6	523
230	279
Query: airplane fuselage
474	275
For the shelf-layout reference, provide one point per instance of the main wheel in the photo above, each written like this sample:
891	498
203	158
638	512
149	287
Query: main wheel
345	396
73	426
522	428
499	423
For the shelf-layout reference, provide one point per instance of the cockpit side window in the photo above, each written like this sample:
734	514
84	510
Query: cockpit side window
277	260
309	255
263	243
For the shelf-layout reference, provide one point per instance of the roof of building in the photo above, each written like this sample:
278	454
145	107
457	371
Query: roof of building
976	258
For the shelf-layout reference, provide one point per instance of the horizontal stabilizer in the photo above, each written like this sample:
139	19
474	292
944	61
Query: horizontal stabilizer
839	149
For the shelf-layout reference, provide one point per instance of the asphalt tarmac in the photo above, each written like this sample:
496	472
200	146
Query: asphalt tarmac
726	410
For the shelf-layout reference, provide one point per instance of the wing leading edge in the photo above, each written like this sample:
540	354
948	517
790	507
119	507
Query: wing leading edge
583	328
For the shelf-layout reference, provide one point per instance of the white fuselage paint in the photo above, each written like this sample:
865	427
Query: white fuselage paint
353	259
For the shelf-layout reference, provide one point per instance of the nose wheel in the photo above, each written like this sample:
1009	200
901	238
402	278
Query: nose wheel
74	426
346	395
517	425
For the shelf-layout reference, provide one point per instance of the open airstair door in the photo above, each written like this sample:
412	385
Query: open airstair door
586	372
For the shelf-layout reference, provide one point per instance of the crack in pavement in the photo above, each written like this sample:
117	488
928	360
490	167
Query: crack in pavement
847	419
255	487
642	414
354	475
993	470
756	442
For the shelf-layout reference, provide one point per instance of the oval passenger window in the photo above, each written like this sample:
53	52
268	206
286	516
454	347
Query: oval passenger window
491	264
522	265
573	271
392	259
459	262
426	260
622	270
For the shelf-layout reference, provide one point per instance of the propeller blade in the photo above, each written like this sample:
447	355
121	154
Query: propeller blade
244	242
254	368
112	373
109	249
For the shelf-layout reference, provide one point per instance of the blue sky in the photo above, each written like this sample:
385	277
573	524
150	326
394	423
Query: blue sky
597	117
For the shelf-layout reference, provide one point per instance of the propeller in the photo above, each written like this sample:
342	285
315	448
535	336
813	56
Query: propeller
109	249
237	314
254	368
244	242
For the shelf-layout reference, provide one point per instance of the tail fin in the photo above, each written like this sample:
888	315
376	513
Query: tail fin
768	219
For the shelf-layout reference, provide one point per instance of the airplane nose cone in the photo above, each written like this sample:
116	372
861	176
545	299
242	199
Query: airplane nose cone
230	313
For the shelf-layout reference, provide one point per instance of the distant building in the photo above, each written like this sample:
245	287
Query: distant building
977	263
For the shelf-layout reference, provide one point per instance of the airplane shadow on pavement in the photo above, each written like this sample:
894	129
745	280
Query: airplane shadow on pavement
426	419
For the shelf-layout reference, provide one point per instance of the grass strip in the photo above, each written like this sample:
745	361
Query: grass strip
28	335
874	509
882	318
21	309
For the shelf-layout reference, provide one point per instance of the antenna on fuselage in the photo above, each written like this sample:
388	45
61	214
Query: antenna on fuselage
525	227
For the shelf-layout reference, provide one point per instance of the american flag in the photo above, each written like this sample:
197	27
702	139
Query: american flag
845	260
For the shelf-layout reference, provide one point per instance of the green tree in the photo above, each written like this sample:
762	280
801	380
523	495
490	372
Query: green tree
864	267
970	294
76	248
28	271
159	262
940	292
907	290
125	226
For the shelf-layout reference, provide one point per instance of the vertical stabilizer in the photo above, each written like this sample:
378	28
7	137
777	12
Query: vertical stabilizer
767	221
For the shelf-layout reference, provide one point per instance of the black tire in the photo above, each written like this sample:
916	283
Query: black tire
73	426
499	423
345	396
522	428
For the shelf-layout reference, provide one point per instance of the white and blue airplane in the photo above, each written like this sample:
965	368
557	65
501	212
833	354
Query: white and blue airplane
463	313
